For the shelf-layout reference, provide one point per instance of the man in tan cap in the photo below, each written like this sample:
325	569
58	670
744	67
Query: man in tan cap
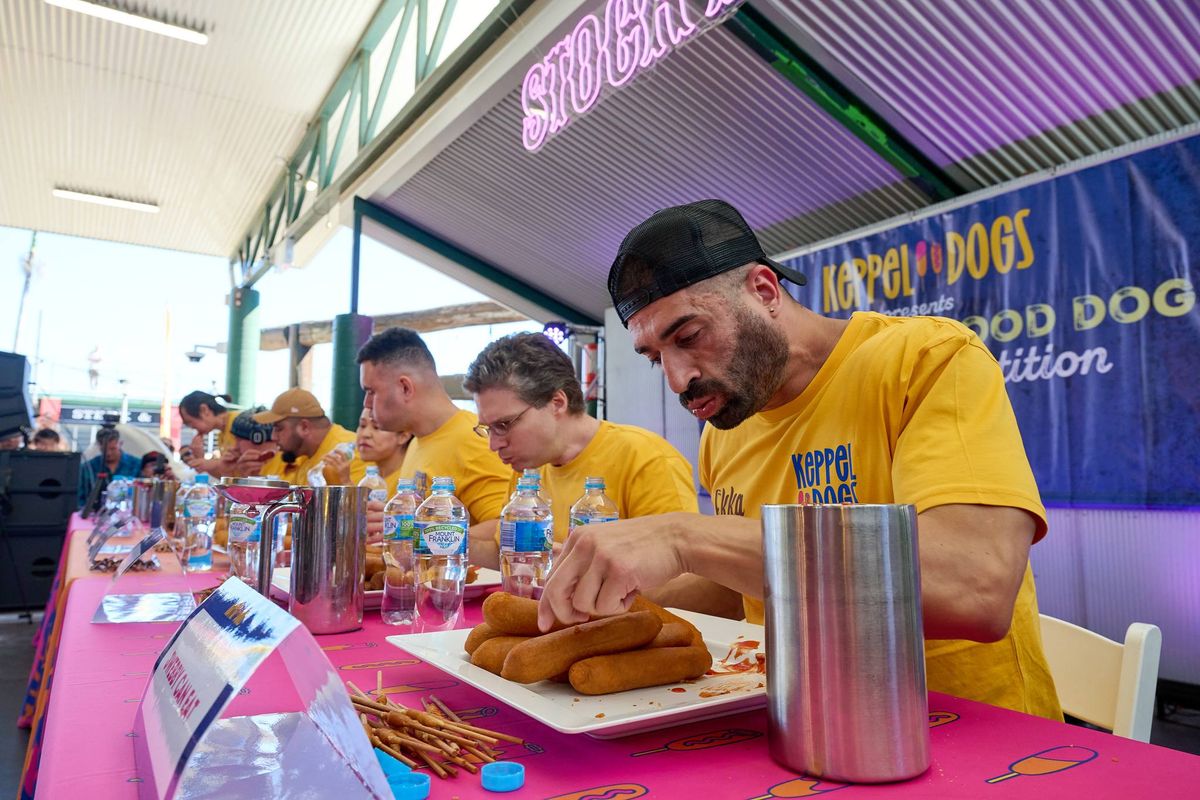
304	435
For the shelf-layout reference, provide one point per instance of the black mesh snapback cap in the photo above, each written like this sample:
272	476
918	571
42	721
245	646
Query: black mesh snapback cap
682	245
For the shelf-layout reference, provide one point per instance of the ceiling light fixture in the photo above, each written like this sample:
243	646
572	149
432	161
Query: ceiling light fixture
105	200
108	12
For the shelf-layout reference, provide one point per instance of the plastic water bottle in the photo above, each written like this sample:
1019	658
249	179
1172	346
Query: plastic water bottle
317	476
441	524
399	605
199	519
245	536
594	507
526	539
376	485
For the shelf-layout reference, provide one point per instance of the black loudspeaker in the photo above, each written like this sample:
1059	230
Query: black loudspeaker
14	373
38	492
16	407
27	567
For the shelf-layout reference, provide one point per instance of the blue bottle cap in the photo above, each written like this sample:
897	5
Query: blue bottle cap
391	765
409	785
503	776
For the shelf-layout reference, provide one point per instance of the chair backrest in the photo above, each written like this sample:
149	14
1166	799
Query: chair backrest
1103	682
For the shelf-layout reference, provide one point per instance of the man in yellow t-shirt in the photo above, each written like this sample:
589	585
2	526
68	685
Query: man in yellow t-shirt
804	408
532	412
304	435
404	393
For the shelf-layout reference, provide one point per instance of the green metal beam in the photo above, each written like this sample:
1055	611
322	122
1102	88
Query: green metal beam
386	218
762	37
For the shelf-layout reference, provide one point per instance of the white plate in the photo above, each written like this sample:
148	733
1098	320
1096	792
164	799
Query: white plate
613	715
281	586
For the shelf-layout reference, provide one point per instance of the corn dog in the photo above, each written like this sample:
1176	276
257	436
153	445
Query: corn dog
491	654
642	604
620	672
673	634
480	634
512	615
543	657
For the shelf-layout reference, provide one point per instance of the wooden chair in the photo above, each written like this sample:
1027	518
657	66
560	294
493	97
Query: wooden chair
1103	682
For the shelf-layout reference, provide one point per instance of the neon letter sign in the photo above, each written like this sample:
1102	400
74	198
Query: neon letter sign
607	50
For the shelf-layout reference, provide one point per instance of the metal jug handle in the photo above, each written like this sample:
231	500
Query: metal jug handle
266	542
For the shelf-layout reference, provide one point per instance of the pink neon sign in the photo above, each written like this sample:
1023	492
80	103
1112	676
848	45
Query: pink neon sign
607	50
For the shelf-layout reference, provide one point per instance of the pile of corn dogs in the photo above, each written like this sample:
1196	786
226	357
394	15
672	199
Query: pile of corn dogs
645	646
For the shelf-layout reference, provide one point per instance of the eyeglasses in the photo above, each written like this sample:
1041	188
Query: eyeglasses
500	427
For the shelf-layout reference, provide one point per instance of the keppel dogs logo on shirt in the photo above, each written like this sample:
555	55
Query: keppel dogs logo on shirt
826	475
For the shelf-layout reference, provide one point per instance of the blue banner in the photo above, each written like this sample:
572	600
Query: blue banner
1084	288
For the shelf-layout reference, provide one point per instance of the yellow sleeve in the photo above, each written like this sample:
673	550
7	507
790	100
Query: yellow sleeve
960	442
228	440
484	486
661	486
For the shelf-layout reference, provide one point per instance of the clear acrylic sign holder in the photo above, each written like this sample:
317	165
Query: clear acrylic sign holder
170	598
309	745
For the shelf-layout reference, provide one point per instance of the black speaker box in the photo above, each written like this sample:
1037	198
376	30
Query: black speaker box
27	567
38	491
14	374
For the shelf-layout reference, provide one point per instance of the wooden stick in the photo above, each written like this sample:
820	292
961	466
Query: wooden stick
481	755
450	715
379	685
433	765
396	754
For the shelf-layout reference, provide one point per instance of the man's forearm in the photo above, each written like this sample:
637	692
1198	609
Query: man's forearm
694	593
725	549
485	552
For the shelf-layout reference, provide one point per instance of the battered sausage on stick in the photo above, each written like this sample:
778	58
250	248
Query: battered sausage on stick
480	634
620	672
673	634
490	655
545	656
642	604
512	615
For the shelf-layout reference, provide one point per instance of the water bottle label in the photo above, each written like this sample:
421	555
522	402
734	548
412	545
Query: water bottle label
377	495
442	538
527	535
593	520
200	507
398	527
243	528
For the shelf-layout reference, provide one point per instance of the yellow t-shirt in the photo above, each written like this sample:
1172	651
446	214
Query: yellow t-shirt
480	477
296	473
643	474
227	441
904	410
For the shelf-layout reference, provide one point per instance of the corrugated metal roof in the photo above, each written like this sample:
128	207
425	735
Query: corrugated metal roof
104	108
1003	88
710	120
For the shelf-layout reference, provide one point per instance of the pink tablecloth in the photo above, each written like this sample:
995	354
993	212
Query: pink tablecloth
102	669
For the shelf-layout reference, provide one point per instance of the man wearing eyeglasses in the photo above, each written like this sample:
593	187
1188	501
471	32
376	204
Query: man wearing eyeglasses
404	393
532	415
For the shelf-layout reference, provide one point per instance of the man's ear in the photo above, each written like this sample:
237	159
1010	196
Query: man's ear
763	283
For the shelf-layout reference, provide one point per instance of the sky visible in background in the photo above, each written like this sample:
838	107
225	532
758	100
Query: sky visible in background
88	293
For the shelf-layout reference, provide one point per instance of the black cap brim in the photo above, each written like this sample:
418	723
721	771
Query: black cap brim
786	272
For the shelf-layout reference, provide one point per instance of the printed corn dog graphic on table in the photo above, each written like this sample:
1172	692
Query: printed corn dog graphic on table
646	646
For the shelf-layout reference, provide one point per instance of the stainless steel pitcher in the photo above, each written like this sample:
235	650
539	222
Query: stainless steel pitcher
162	503
329	540
143	493
845	646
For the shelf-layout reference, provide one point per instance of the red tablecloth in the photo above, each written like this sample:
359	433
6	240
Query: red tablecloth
102	669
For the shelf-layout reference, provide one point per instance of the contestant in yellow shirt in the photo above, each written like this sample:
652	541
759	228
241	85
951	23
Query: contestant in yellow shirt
869	410
205	413
532	412
373	447
404	393
304	435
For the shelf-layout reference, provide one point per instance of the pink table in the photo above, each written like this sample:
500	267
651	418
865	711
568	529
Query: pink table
102	668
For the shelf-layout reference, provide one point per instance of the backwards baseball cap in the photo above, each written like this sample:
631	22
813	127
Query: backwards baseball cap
244	427
292	403
682	245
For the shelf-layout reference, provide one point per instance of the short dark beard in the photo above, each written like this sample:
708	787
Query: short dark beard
287	456
756	368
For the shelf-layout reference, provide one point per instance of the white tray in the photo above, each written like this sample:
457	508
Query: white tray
281	586
613	715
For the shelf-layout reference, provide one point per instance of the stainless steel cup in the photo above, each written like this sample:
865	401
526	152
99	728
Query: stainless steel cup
143	493
845	647
162	503
329	543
